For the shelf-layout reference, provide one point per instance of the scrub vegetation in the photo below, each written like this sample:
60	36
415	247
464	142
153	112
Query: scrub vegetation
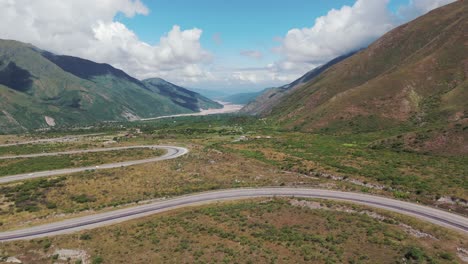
256	231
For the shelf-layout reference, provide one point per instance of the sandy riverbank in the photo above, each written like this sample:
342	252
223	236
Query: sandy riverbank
228	108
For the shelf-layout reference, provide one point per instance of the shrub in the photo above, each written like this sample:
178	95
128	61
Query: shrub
47	244
83	198
415	253
446	255
51	205
97	260
85	237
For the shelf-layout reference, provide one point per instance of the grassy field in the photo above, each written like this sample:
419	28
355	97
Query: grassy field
352	157
83	142
405	174
253	231
265	156
44	200
25	165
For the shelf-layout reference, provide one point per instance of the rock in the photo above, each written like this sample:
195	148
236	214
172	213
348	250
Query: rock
462	254
13	260
72	254
49	120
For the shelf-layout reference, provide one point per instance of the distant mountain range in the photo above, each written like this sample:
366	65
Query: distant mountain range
212	94
242	98
179	95
414	75
39	89
233	97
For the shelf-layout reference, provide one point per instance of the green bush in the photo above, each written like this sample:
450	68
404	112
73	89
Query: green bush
85	237
415	253
97	260
83	198
446	255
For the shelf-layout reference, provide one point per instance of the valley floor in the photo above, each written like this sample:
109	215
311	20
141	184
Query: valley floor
231	152
282	230
227	108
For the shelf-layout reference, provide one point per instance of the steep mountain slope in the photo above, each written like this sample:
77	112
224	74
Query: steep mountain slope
416	74
264	102
179	95
39	89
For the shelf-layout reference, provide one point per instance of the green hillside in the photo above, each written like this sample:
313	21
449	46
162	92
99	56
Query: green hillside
179	95
37	86
415	75
264	102
243	98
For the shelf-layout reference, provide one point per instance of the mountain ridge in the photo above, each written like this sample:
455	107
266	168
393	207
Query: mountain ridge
264	103
414	75
39	89
191	99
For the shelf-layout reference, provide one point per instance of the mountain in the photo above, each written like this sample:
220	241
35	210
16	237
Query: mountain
179	95
242	98
229	96
212	94
264	102
414	75
39	89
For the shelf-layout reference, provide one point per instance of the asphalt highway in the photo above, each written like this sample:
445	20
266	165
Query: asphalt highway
435	216
172	153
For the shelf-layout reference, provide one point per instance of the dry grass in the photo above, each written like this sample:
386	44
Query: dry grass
4	139
201	170
258	231
253	231
25	165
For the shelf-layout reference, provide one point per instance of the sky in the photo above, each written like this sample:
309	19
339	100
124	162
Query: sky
231	46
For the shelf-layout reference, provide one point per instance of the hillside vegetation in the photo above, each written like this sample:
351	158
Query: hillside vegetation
413	76
254	231
39	89
264	102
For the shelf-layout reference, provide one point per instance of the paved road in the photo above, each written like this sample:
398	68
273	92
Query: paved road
432	215
172	153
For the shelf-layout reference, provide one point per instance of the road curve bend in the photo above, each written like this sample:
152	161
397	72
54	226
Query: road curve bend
435	216
172	153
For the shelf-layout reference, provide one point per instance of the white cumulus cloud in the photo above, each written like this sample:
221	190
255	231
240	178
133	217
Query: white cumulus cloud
418	7
86	28
338	32
344	30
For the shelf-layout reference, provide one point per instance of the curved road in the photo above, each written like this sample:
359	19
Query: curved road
432	215
172	153
429	214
